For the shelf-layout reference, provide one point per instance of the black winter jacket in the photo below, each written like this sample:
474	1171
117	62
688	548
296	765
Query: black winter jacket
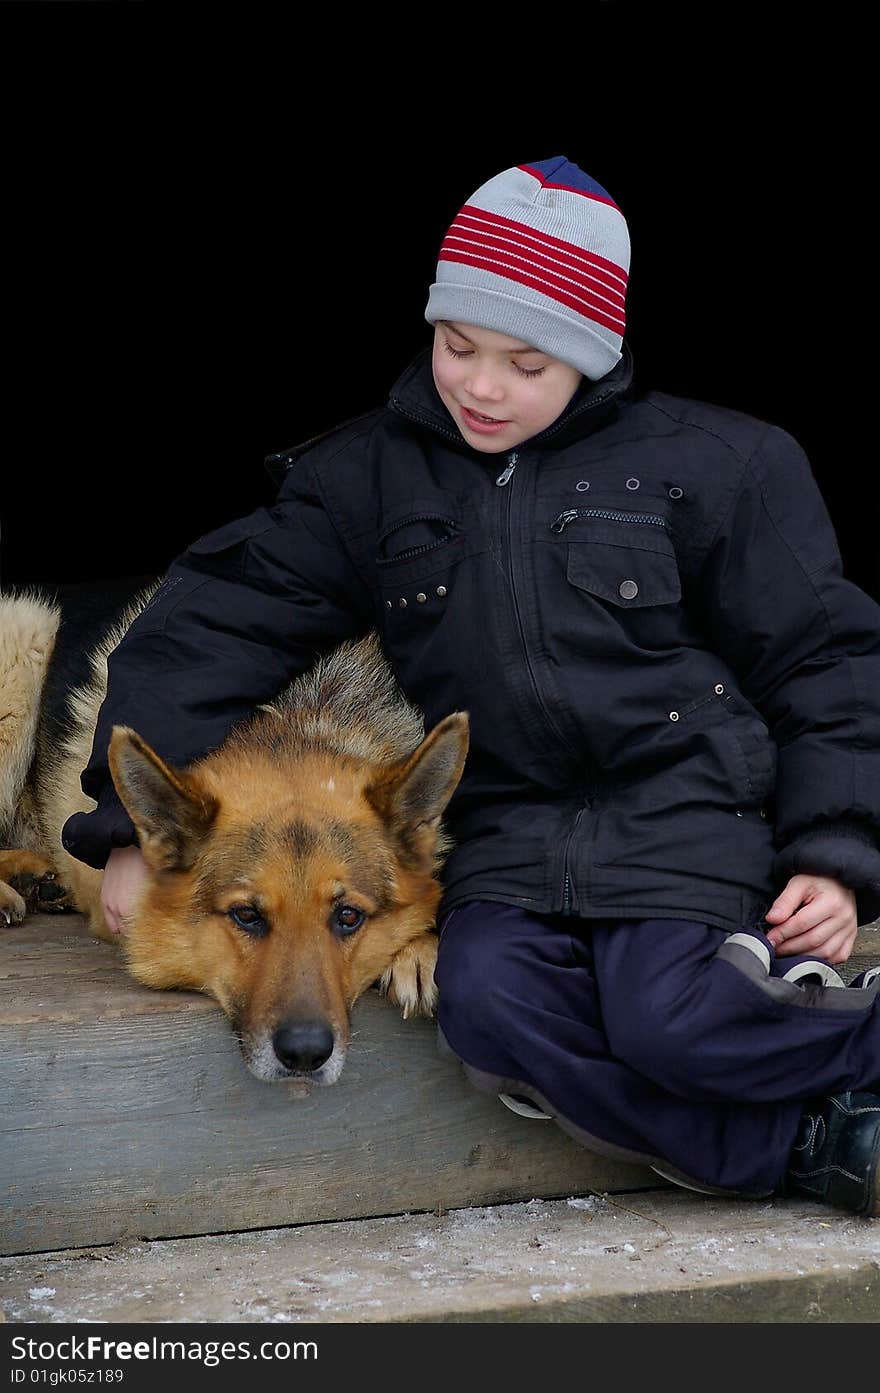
674	693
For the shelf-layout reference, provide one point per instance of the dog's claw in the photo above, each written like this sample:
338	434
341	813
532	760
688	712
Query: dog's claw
14	912
409	980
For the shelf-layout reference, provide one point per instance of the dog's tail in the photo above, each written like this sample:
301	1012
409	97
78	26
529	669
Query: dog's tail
28	627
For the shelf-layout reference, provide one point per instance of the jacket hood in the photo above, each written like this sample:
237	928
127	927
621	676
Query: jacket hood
415	396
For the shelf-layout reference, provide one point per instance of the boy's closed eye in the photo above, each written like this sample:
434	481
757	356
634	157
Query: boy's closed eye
462	353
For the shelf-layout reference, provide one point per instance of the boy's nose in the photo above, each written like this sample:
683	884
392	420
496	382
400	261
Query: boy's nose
482	388
481	393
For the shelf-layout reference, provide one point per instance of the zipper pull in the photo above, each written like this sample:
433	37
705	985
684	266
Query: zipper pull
563	519
511	465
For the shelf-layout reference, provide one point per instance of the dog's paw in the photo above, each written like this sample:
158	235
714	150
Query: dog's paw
12	906
409	980
44	894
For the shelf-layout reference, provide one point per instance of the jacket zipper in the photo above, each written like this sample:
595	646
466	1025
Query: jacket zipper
570	514
504	478
566	881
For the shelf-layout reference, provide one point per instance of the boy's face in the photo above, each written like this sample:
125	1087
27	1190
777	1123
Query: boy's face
482	370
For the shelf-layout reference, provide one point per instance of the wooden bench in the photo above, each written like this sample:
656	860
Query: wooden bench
129	1113
126	1112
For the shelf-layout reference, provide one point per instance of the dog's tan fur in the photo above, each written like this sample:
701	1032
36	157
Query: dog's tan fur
327	803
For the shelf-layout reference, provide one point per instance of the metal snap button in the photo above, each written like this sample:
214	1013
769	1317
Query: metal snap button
441	589
387	604
675	492
421	597
632	483
582	485
628	589
402	602
673	715
718	688
739	814
763	814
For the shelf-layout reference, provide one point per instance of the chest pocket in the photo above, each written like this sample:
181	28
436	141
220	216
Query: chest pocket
414	536
427	587
422	541
629	562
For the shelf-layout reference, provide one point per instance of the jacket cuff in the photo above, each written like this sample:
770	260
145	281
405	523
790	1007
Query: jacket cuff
91	837
846	851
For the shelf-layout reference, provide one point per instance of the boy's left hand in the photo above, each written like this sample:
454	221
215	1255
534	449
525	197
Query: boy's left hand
814	914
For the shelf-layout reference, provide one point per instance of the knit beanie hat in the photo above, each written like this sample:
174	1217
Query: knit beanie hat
540	252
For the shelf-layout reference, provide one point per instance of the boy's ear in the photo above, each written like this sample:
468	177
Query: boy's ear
411	797
171	813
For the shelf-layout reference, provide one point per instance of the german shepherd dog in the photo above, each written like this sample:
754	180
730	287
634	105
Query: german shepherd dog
290	869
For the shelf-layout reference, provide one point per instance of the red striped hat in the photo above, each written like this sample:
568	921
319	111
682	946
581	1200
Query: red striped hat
540	252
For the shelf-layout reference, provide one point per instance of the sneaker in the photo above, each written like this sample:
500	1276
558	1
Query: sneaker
812	972
866	979
523	1106
805	971
836	1156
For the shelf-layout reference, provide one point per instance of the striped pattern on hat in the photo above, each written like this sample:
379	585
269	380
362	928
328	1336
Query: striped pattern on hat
540	252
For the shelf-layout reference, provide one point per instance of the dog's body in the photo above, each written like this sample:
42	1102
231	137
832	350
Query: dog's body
288	870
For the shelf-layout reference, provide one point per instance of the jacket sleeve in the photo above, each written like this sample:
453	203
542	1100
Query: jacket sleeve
805	645
240	613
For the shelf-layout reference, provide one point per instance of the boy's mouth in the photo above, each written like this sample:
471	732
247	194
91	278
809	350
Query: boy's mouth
489	420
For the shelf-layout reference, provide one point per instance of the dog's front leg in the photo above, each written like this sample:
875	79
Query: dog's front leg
409	980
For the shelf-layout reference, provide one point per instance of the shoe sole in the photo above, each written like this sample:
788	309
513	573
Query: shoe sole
524	1109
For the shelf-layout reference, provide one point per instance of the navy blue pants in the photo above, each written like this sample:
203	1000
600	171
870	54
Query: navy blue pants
665	1042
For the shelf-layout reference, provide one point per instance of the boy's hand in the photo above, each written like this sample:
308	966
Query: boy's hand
124	875
814	914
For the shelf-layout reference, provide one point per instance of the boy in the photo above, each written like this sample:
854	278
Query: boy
674	701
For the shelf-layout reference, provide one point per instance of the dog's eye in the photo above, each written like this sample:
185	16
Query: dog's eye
249	919
347	920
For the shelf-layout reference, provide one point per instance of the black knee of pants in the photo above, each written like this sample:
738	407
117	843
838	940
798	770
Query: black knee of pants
494	970
671	1008
469	968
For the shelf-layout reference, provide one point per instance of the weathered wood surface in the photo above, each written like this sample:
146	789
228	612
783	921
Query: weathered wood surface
659	1256
126	1112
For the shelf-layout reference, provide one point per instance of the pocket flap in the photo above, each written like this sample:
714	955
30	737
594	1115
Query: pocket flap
630	577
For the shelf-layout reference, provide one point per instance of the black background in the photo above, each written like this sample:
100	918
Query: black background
219	241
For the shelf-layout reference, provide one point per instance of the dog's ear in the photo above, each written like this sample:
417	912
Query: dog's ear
411	796
170	812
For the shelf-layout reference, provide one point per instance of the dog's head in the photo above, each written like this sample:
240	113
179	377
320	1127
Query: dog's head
285	887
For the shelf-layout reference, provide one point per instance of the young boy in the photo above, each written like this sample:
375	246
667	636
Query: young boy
667	829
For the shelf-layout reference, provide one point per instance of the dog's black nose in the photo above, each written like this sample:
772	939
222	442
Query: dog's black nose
303	1046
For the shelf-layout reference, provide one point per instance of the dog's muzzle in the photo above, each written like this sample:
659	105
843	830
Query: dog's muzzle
304	1047
306	1050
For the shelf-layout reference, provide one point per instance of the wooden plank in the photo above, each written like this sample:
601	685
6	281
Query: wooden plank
129	1113
669	1256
